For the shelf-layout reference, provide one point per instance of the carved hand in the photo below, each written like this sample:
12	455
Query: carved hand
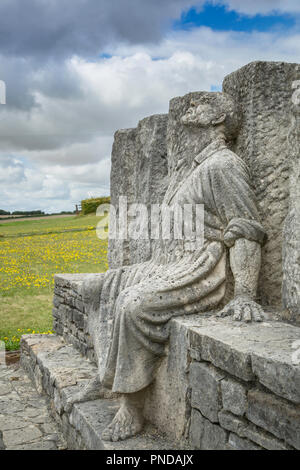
243	308
245	258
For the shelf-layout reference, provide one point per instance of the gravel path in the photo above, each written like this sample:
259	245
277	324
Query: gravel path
25	423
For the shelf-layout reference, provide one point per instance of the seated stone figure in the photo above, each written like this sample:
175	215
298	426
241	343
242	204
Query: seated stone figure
182	277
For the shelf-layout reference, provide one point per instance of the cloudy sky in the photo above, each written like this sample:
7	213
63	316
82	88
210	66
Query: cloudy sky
77	70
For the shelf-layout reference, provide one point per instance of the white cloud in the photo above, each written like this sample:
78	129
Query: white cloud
254	7
67	141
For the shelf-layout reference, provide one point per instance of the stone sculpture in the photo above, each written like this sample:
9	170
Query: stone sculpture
182	277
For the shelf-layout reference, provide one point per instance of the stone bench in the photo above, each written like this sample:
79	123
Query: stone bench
222	385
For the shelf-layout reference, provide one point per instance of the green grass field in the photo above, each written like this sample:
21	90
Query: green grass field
31	252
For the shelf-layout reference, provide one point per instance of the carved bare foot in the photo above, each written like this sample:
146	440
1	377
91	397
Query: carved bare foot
243	308
91	391
127	422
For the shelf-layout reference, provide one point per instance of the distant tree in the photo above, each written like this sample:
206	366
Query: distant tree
28	213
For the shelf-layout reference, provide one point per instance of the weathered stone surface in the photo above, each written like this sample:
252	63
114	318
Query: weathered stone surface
291	258
232	423
276	369
171	389
291	239
205	435
238	443
264	350
275	415
21	436
227	352
123	160
2	446
76	297
25	423
206	390
40	444
139	168
264	90
234	396
245	429
5	388
91	418
263	439
82	423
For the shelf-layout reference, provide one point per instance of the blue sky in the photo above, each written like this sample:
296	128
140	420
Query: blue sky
75	75
219	18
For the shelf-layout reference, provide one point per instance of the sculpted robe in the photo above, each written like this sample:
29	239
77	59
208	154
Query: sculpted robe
181	278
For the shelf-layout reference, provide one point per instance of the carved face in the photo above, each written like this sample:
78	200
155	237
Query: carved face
201	114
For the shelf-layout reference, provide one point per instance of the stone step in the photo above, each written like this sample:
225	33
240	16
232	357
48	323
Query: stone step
58	370
90	419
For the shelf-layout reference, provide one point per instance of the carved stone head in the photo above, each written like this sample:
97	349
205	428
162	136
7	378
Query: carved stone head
212	110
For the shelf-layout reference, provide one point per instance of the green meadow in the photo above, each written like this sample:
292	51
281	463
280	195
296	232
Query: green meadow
31	252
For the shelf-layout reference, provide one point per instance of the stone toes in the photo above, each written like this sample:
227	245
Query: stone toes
247	317
224	313
126	432
259	315
237	314
108	433
117	432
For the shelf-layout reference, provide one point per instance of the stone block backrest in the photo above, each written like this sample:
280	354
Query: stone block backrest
139	170
264	90
123	161
291	242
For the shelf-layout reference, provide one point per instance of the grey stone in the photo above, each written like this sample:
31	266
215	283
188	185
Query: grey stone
195	354
204	435
123	160
5	388
91	418
14	437
214	344
170	389
11	422
291	241
49	428
263	90
78	319
2	446
206	391
139	167
232	423
11	402
265	440
276	416
238	443
245	429
264	350
276	368
234	396
38	445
